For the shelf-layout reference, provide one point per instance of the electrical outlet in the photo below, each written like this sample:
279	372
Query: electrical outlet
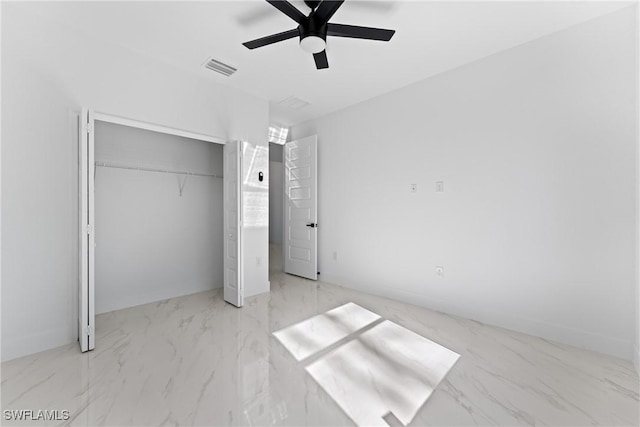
335	255
439	186
440	272
414	188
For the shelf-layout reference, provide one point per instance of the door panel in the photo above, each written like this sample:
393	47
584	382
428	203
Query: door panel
300	194
233	289
86	233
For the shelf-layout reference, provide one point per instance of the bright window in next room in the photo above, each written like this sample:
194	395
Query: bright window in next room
278	134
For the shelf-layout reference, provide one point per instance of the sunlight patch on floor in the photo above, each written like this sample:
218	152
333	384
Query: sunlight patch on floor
382	371
386	369
319	332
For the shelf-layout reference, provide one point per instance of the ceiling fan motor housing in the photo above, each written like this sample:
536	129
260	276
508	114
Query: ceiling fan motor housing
313	34
313	27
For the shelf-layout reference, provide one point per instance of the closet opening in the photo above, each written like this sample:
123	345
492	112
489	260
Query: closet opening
159	217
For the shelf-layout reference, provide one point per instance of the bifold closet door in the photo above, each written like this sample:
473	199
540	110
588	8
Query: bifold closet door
86	232
232	193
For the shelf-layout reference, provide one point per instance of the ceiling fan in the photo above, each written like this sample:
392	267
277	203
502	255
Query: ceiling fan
314	29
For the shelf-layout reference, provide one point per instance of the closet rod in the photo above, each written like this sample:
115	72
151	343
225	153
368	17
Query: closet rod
137	168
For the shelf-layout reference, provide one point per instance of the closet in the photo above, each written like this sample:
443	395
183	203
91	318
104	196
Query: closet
160	216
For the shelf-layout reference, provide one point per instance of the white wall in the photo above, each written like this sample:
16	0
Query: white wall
48	73
151	242
275	152
637	345
276	189
276	176
535	229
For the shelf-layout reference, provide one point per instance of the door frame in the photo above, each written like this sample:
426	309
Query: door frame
86	206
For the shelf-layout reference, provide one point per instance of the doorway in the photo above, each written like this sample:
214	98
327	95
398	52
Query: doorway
276	207
293	208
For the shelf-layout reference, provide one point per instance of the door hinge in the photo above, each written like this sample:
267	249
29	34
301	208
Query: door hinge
90	330
89	127
89	228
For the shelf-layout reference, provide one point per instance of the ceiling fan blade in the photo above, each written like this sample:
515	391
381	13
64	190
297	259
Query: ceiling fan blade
321	60
273	38
341	30
288	9
326	9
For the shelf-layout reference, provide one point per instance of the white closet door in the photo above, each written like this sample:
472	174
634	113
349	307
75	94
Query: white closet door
233	285
301	208
86	232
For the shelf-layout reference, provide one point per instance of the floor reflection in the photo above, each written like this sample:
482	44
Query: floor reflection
196	360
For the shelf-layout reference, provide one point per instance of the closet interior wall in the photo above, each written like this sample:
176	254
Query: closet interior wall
159	217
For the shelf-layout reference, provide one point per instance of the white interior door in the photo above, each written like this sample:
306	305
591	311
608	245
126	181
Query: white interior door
86	244
301	208
233	285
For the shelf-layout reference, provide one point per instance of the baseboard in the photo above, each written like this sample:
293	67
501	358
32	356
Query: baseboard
264	288
574	337
46	340
102	308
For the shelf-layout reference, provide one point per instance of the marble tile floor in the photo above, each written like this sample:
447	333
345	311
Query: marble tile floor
195	360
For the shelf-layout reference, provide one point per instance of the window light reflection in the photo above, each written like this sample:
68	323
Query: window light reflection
383	371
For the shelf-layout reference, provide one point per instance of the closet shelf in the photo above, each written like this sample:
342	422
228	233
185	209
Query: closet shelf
145	169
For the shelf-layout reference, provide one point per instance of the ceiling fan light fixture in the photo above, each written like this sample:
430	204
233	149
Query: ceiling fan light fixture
314	28
313	44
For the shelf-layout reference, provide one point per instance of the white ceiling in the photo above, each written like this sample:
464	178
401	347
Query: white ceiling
431	37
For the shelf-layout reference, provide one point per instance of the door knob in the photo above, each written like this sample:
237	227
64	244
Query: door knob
312	225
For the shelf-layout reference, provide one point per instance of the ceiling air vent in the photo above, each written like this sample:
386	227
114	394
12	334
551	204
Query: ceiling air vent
293	103
219	67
